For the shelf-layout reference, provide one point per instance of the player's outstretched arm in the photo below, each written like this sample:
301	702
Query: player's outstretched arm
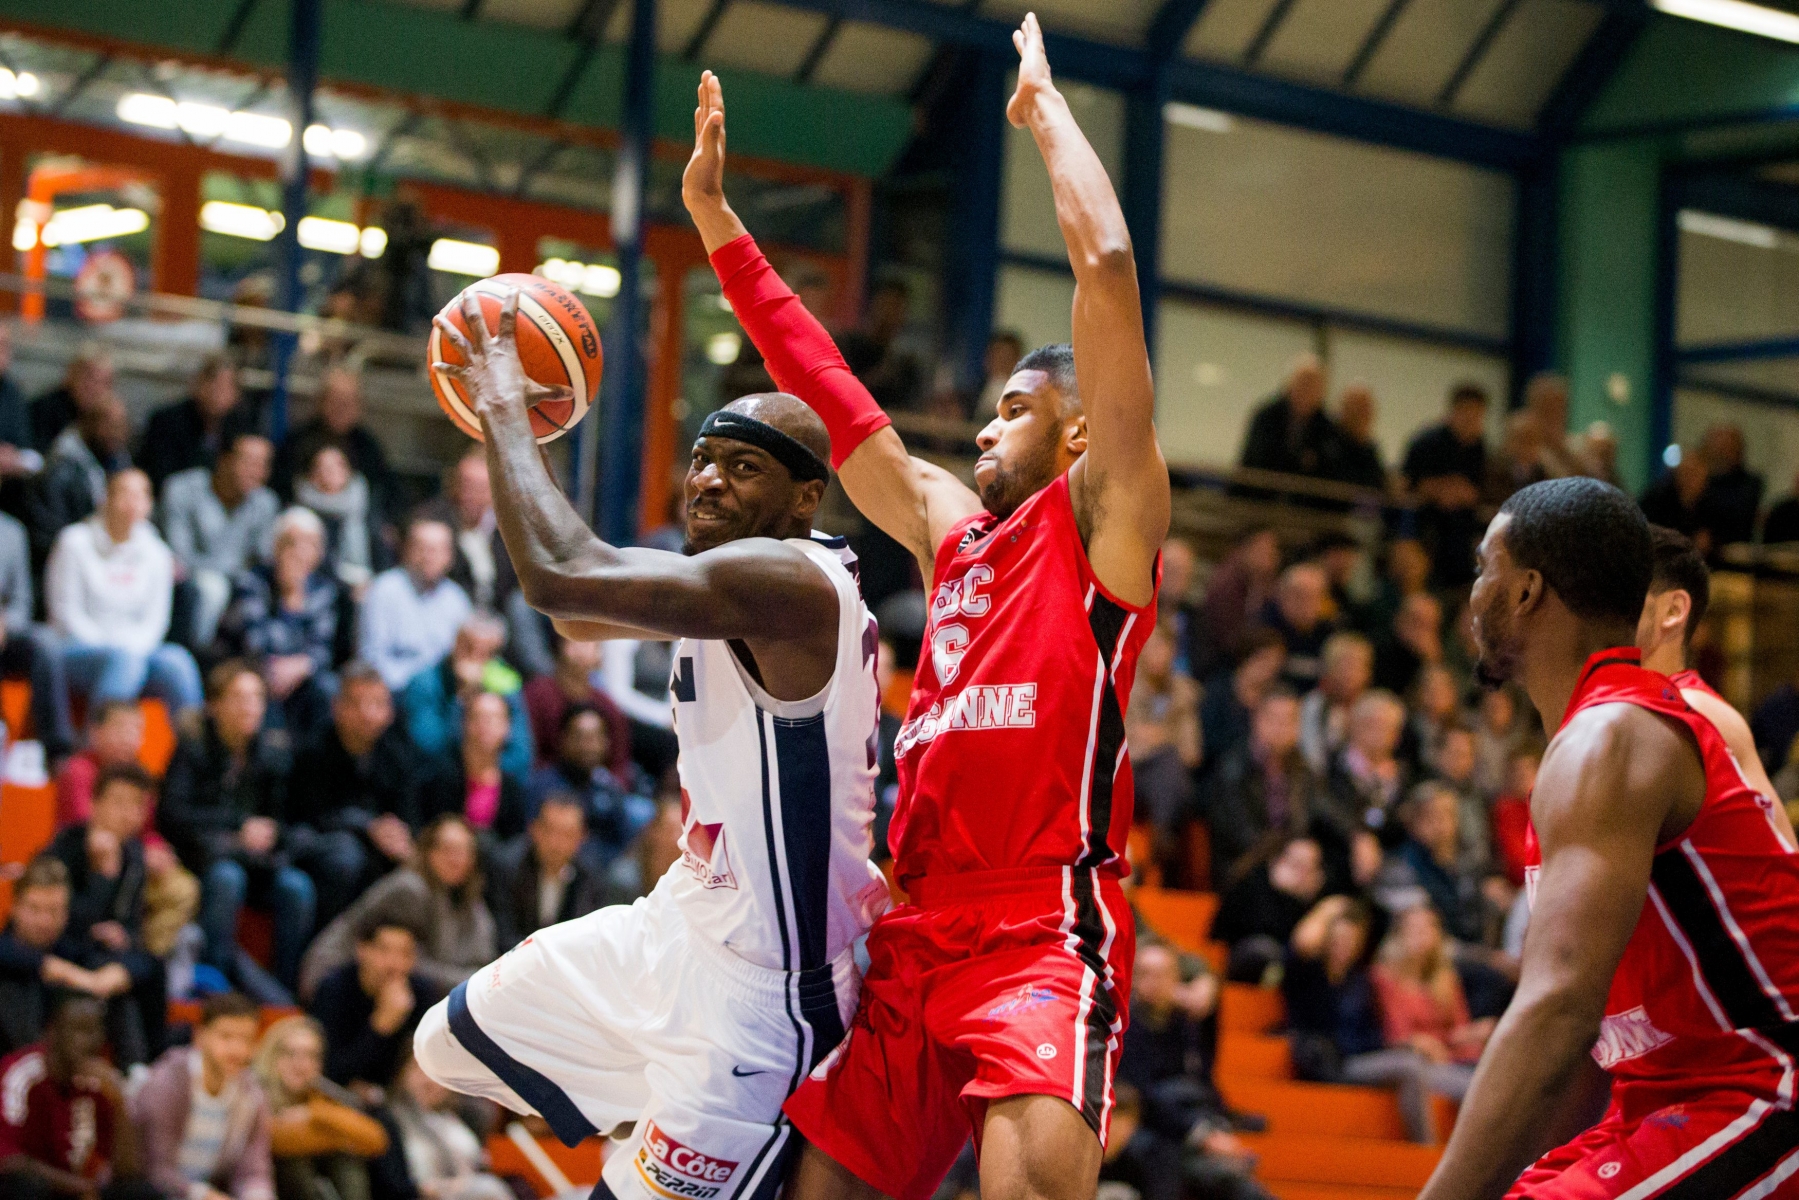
912	501
757	589
1121	484
1605	791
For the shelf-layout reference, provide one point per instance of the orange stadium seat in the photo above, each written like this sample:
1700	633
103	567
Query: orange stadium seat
1184	918
580	1163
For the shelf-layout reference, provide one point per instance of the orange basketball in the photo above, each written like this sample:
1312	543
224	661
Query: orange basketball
557	344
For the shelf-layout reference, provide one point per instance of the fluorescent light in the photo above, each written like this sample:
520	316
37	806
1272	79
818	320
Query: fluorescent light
331	237
14	86
1671	456
24	234
324	142
1735	14
1192	116
93	223
595	279
240	220
463	258
724	305
1728	229
601	281
373	242
205	120
722	349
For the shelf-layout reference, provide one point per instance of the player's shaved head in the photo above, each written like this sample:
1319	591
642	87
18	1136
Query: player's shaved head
790	415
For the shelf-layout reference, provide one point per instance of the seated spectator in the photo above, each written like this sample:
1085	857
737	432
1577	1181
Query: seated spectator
444	1157
220	521
1673	500
1546	399
1500	728
1454	769
293	621
656	849
541	879
203	1117
439	897
1168	1058
1733	494
369	1006
1430	868
1260	795
1367	778
1414	641
472	783
1297	613
434	699
64	1129
197	431
1425	1017
549	697
412	612
1436	709
104	857
1162	729
1340	557
1782	523
87	382
108	586
482	568
72	485
1332	1016
115	737
1290	433
318	1133
27	650
353	789
1511	814
1235	595
224	807
1446	469
339	423
1348	660
339	498
1355	456
1519	462
614	809
1257	915
1234	694
40	958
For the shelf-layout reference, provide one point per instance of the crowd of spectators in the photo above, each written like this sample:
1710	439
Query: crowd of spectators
387	771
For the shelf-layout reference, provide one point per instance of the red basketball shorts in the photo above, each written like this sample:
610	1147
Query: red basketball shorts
994	984
1717	1146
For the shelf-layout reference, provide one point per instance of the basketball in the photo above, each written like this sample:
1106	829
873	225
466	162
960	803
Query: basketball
558	346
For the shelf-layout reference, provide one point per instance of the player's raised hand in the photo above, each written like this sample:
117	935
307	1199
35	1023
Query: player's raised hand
491	375
704	179
1033	70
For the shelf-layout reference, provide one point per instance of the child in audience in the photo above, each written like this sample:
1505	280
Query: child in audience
442	1152
319	1132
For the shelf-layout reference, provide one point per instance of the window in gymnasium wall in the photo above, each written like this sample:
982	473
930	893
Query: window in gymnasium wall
1411	382
1214	367
1273	211
1739	281
1039	305
1028	207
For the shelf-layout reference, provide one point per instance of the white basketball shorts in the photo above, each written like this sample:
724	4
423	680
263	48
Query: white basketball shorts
631	1016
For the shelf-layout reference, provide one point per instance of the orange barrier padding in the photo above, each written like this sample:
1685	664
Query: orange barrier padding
580	1163
1184	918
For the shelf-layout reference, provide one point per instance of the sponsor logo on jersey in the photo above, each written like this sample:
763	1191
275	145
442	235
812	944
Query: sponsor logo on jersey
673	1169
1625	1036
985	706
703	849
1029	996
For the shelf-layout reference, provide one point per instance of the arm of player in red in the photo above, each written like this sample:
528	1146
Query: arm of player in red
797	349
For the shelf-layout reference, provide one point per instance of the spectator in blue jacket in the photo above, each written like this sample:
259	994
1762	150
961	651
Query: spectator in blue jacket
432	702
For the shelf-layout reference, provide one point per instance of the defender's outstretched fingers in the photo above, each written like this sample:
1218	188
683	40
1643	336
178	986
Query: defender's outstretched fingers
454	336
451	371
507	333
476	320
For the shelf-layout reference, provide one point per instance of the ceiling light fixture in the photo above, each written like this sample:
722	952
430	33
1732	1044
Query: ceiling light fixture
92	223
1729	229
1192	116
240	220
1735	14
463	258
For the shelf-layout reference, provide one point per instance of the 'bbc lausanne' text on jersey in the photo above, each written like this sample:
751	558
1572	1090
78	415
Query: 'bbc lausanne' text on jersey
1013	753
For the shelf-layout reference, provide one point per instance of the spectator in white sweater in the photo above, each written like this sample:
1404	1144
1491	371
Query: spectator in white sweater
108	587
412	612
219	521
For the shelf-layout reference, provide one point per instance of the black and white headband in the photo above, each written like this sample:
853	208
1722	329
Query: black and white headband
800	462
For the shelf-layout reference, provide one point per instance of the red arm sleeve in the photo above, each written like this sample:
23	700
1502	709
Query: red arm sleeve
799	352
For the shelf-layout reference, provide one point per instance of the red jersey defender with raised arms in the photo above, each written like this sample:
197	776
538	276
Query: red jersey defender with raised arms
996	1000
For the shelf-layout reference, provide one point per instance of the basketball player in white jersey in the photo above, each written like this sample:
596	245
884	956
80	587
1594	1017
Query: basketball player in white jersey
688	1017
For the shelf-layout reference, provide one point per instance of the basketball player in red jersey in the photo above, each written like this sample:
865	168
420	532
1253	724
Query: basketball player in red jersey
995	1001
1680	590
1662	939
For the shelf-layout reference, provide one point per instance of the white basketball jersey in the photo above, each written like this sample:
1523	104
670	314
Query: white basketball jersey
777	797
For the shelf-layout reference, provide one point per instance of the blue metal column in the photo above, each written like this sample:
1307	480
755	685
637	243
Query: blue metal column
1535	270
304	35
1667	312
1142	192
971	274
619	478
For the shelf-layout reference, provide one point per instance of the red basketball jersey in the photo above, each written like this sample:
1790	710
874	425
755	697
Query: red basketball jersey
1013	754
1690	679
1706	997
